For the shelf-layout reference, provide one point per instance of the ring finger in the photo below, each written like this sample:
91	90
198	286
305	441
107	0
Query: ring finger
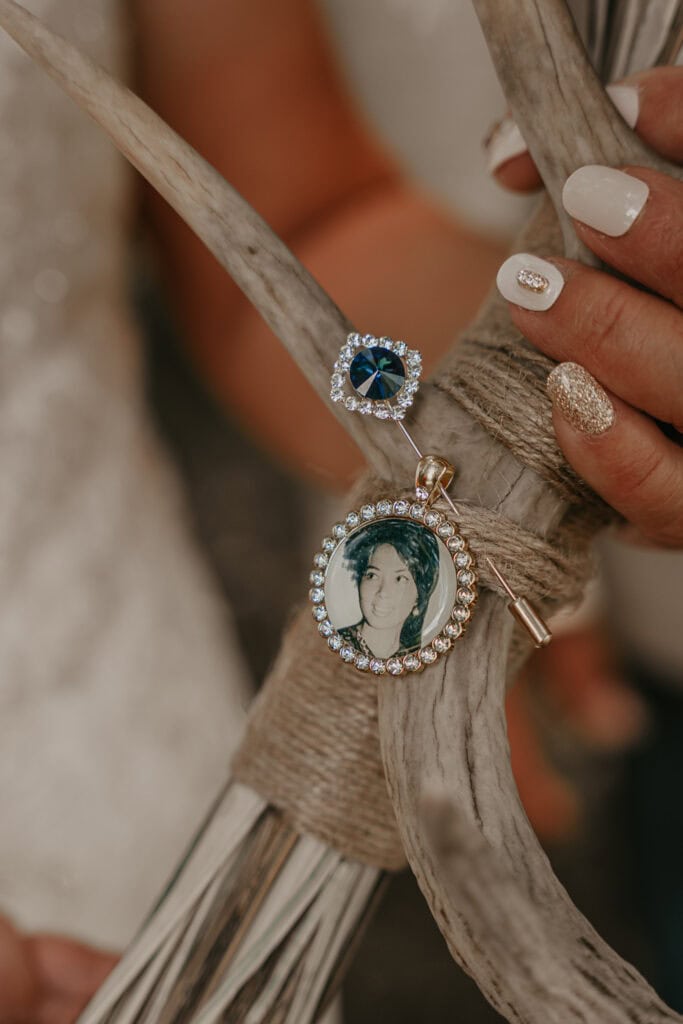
631	341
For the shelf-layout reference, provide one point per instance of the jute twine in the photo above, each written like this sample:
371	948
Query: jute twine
312	749
312	744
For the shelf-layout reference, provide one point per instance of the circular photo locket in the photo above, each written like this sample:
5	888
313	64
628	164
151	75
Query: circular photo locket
393	586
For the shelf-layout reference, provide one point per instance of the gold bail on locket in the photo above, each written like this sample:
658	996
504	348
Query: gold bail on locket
433	474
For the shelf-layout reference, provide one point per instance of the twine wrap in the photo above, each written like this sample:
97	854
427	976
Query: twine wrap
312	747
312	750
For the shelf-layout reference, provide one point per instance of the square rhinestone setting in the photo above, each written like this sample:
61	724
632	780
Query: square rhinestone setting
342	391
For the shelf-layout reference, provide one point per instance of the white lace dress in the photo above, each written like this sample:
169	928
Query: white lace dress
121	689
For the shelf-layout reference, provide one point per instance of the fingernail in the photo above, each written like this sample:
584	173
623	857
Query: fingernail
626	99
604	198
529	281
580	399
504	143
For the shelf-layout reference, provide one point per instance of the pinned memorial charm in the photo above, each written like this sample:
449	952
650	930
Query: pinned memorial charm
393	587
376	376
395	584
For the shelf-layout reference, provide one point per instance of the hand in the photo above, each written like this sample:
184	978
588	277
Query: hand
630	341
47	979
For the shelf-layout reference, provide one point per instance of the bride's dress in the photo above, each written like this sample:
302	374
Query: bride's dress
121	689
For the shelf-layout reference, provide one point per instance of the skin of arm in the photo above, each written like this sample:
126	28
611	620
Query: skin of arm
254	87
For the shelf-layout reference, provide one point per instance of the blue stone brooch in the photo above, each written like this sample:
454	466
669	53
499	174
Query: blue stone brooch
376	376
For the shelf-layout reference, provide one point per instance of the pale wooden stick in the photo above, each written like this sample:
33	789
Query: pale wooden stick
519	944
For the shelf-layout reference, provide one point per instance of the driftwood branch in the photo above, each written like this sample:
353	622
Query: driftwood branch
519	943
444	731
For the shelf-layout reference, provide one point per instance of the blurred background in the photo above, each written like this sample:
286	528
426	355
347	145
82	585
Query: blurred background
160	496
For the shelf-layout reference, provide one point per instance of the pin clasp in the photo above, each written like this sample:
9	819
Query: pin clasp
522	609
433	474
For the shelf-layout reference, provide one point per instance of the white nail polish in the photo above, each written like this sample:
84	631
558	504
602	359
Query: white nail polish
627	101
505	143
604	198
529	281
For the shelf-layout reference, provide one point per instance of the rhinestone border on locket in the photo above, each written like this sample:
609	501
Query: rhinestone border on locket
395	408
446	530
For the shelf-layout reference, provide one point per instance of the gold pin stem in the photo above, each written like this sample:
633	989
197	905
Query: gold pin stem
409	438
503	582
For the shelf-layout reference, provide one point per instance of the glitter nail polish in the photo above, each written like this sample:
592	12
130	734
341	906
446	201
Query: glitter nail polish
581	400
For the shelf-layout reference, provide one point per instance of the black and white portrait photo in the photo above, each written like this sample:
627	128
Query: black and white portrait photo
389	587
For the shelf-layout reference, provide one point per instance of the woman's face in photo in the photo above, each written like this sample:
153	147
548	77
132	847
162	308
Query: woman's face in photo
387	590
